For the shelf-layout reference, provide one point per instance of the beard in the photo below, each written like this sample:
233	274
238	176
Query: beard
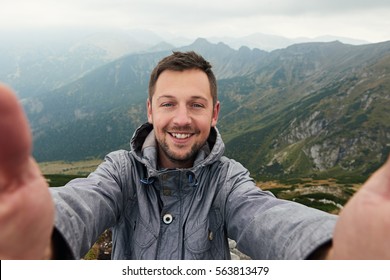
179	159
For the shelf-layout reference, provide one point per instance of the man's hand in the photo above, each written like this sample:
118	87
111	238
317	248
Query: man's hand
26	207
363	230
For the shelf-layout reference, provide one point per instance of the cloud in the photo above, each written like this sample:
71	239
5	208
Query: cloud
205	17
199	8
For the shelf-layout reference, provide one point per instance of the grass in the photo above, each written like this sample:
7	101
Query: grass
58	173
326	195
74	168
327	207
59	180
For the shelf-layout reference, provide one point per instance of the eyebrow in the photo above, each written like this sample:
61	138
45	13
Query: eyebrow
174	97
165	96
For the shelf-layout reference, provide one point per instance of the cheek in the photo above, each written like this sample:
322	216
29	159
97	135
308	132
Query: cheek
205	125
158	122
153	117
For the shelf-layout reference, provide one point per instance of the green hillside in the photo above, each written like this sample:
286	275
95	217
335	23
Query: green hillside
315	109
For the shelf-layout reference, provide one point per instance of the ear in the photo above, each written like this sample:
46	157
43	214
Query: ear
149	111
216	109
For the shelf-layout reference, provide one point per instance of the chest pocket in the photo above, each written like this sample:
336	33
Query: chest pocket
137	237
206	240
144	239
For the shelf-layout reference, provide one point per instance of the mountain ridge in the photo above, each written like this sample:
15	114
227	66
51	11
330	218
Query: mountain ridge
282	113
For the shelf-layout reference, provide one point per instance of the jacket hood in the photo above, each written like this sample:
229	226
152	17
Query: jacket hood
144	148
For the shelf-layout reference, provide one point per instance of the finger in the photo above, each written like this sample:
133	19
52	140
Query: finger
15	136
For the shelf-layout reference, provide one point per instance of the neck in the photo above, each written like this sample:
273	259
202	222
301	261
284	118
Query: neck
176	164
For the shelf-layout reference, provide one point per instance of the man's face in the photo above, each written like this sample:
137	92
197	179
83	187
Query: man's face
182	113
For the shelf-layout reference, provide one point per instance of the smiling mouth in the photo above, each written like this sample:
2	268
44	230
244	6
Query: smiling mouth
180	135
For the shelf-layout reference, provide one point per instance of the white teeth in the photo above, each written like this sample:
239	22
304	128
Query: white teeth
180	135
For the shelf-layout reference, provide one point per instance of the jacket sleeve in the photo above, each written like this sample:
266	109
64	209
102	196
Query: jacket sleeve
266	227
86	207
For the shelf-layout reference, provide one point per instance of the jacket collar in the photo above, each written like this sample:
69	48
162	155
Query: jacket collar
144	148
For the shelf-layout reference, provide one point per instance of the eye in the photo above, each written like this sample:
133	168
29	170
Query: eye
197	105
166	104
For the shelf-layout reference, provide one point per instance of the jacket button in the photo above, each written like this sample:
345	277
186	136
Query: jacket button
167	219
211	235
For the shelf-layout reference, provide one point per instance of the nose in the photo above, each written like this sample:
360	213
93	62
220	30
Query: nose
182	116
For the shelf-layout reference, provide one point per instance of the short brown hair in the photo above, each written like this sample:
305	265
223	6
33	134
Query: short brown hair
180	61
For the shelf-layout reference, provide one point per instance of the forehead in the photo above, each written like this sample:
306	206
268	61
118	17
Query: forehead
180	83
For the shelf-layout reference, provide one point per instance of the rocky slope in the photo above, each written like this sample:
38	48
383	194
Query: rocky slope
314	109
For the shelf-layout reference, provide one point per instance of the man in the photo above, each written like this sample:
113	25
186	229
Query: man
174	195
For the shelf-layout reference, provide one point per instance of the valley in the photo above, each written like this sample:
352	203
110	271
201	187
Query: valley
324	194
311	110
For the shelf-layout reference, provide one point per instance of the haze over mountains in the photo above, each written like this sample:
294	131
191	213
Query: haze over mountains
34	63
310	109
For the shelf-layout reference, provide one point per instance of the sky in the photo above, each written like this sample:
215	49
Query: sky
367	20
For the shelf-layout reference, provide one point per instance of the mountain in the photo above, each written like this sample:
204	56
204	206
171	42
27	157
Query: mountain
269	42
312	109
91	116
97	113
38	61
36	64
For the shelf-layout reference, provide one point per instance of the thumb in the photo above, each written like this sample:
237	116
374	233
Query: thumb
15	136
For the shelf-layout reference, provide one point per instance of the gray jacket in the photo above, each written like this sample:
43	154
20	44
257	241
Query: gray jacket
183	213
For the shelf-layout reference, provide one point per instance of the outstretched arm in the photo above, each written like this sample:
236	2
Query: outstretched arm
26	206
